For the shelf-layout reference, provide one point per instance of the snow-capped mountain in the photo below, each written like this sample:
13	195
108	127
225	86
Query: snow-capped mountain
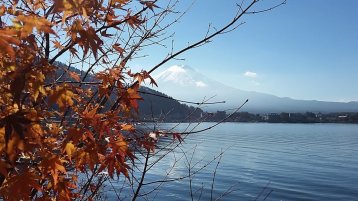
182	76
185	83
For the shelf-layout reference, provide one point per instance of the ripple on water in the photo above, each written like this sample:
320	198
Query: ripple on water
299	162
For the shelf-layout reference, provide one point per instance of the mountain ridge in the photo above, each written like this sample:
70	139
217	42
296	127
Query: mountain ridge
182	82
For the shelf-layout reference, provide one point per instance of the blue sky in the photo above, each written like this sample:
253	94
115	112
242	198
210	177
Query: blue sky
306	49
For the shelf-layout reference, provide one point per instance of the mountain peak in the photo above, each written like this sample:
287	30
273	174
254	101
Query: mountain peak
181	75
178	69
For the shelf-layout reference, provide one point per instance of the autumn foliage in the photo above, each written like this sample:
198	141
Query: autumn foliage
54	127
59	125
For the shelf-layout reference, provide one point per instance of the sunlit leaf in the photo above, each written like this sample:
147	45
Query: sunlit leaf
62	96
69	149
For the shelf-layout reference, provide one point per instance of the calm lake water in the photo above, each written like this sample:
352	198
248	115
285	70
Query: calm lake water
262	162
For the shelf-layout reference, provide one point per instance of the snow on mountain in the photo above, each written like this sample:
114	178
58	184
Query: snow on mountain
182	76
185	83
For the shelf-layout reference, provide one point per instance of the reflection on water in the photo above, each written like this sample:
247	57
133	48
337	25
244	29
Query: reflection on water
263	161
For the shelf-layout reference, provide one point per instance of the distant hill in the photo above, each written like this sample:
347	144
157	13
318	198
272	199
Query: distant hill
185	83
166	109
155	105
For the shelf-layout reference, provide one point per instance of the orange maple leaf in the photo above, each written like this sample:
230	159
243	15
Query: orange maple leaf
29	22
8	38
54	166
19	185
69	150
62	96
118	48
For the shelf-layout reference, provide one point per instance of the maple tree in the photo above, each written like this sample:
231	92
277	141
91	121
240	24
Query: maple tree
56	126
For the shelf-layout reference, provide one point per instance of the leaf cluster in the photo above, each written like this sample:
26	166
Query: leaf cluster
55	126
61	128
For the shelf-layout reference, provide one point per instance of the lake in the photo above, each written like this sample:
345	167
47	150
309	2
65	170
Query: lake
261	161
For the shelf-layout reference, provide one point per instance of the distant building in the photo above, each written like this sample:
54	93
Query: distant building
297	117
285	117
342	118
272	117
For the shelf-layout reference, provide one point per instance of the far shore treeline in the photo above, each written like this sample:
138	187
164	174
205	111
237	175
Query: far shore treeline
308	117
158	107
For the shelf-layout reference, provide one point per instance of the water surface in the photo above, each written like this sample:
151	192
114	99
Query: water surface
263	161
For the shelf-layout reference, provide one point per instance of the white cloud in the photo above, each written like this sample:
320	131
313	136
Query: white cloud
200	84
250	74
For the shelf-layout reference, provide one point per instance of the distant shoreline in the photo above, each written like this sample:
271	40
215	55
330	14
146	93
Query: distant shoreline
294	118
263	122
